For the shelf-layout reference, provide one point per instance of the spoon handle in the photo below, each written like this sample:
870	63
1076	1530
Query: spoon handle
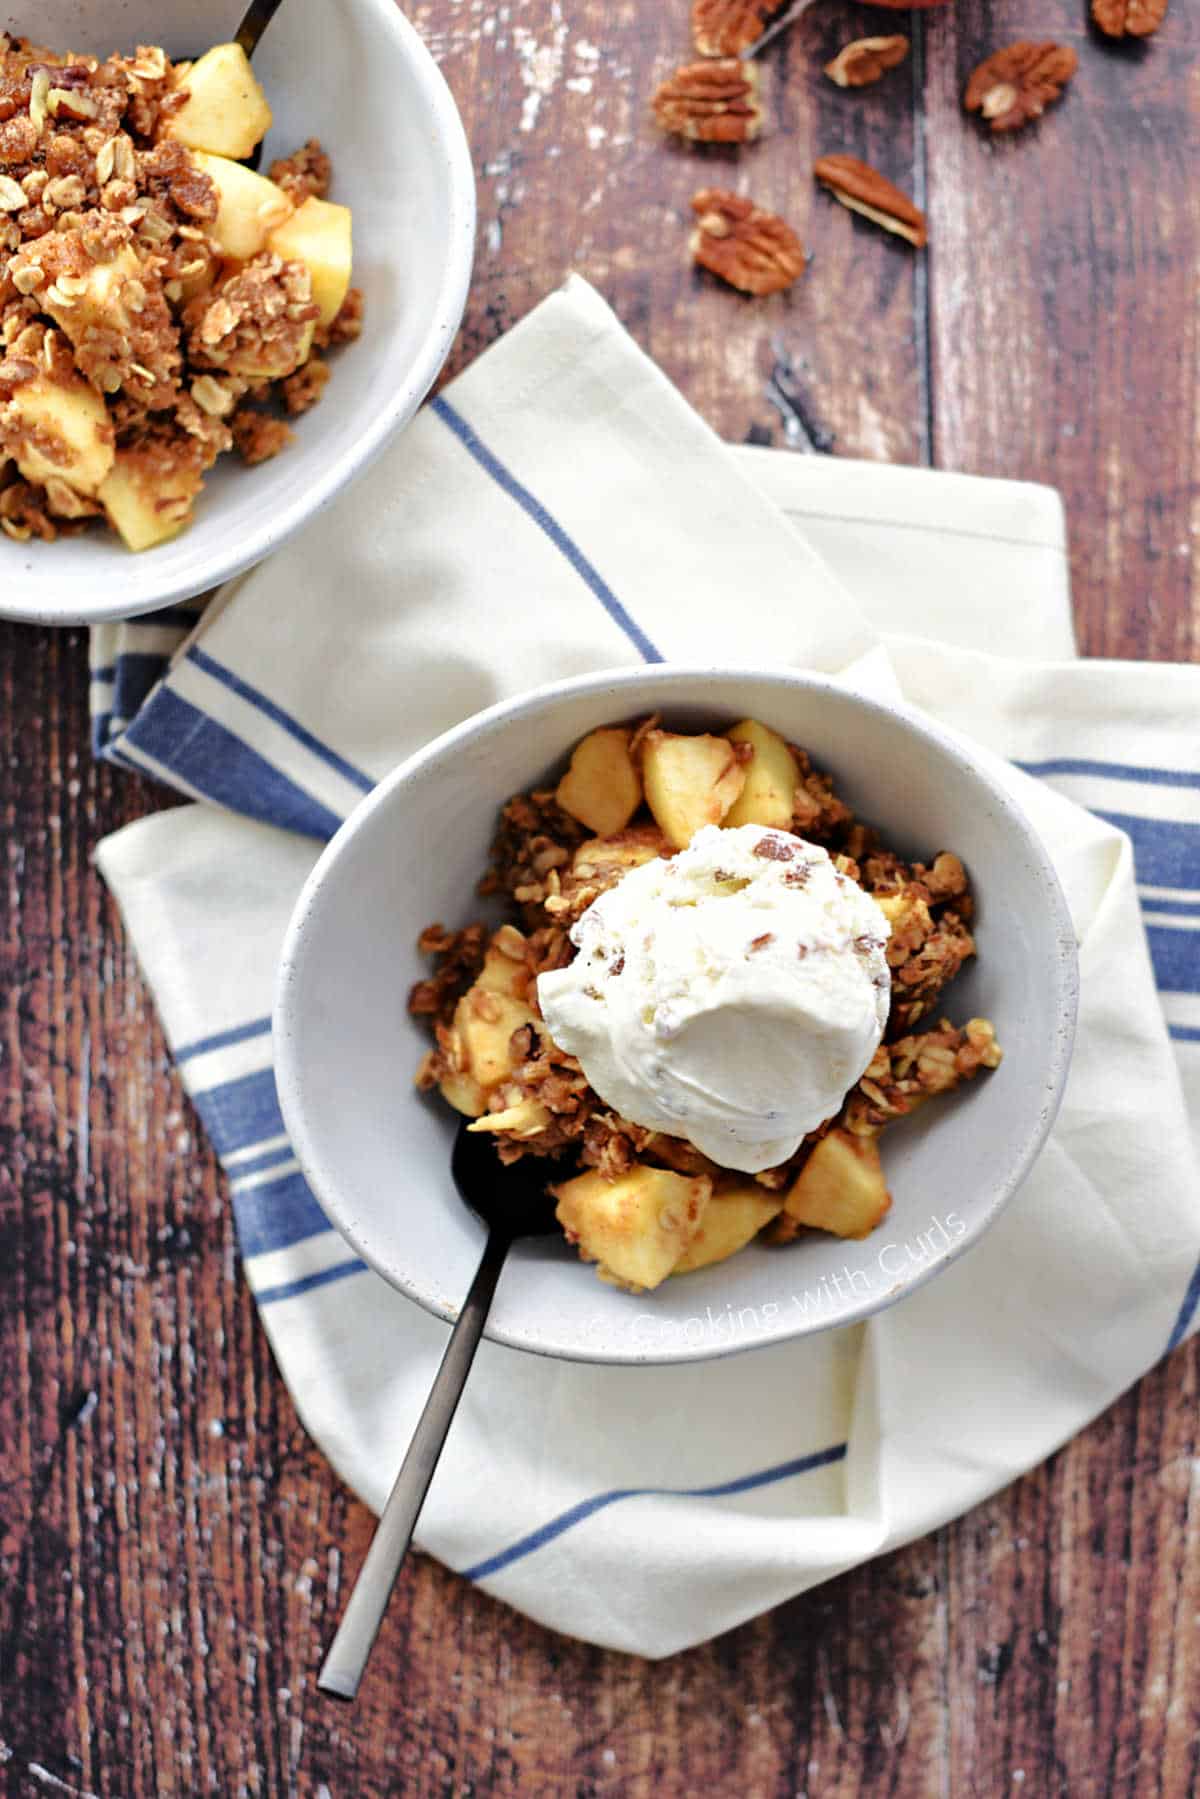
347	1658
258	16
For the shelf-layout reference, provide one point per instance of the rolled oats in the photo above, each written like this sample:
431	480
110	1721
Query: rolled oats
69	103
124	161
66	192
211	397
39	96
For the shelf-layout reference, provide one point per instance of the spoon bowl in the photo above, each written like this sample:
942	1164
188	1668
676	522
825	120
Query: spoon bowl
508	1197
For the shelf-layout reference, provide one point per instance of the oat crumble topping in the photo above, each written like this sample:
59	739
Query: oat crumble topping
547	869
131	335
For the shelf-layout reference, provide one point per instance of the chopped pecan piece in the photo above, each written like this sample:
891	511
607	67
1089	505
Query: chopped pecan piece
1129	18
714	102
726	27
751	249
305	174
865	60
863	189
1016	84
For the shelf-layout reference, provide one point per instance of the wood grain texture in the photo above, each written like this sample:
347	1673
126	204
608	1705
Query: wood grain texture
172	1549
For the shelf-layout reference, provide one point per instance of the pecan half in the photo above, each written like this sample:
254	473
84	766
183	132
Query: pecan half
865	60
863	189
726	27
714	102
1129	18
1018	83
751	249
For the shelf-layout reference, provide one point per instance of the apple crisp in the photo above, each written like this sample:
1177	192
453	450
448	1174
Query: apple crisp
160	302
638	1201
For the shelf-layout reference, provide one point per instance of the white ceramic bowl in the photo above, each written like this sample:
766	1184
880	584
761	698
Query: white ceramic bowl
355	74
378	1154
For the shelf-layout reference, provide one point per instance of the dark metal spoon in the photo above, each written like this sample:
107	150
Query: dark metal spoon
512	1202
259	14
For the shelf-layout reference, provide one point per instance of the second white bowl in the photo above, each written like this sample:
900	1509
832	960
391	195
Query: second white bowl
355	74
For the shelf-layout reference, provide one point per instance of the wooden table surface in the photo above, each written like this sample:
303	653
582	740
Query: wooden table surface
173	1548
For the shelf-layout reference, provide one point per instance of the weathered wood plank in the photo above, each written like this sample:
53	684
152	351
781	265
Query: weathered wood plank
1064	321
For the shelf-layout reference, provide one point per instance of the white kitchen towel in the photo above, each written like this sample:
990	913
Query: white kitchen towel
559	509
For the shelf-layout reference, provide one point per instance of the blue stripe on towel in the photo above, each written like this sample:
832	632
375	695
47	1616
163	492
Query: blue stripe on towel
1187	1311
138	672
1173	908
237	1114
587	1508
270	710
1184	1033
1166	853
277	1214
1176	958
534	509
267	1296
1113	771
240	1033
224	768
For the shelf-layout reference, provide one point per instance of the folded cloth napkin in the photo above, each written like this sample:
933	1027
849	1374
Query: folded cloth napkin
559	509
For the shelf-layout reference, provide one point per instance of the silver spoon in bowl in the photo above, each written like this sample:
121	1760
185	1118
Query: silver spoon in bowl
512	1202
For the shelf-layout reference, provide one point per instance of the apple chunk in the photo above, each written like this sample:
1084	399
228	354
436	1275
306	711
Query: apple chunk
226	110
68	420
318	234
249	207
464	1093
601	788
841	1187
101	306
733	1216
485	1021
637	1226
146	501
769	796
690	781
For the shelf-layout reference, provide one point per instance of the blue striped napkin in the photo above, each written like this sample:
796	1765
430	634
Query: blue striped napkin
647	1509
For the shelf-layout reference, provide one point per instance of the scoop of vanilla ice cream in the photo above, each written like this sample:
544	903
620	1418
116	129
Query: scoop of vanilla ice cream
731	994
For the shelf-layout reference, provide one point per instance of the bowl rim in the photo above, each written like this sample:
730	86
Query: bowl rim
312	496
290	975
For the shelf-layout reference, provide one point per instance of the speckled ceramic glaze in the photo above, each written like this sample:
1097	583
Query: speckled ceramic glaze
355	74
378	1154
